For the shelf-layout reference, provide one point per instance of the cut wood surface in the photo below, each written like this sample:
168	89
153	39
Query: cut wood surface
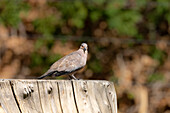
57	96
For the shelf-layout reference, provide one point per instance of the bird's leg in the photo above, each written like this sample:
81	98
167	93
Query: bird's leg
73	77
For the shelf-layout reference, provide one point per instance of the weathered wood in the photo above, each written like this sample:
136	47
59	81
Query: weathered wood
49	94
7	99
67	97
31	104
57	96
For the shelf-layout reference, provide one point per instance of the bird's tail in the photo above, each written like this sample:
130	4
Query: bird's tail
46	74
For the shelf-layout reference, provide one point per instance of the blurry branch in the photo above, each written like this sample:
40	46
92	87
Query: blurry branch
142	98
121	62
13	31
22	31
125	74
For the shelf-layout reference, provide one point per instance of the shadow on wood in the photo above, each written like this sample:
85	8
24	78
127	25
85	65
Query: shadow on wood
57	96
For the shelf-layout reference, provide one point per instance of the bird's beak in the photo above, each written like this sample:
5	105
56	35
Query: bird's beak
84	49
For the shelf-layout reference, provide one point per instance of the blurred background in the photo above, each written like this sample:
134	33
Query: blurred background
129	44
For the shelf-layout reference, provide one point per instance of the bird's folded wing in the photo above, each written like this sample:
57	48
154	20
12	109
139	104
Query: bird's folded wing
68	63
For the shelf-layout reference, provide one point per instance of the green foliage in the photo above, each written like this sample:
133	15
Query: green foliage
41	60
74	15
53	58
95	15
45	25
160	13
130	96
39	43
124	21
10	11
96	2
95	66
47	42
114	78
157	54
44	62
74	11
36	60
168	17
155	77
140	4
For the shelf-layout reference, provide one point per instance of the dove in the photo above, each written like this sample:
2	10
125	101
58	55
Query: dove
69	64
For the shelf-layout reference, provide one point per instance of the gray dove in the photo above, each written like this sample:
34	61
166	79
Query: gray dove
69	64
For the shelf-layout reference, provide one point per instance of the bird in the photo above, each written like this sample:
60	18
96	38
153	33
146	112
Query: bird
69	64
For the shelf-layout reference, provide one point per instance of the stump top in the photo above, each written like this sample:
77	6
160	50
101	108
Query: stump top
57	96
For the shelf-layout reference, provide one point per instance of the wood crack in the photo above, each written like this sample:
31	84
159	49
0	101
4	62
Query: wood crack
74	96
59	97
11	84
39	96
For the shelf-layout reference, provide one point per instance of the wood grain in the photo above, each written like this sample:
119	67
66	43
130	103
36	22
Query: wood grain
7	98
57	96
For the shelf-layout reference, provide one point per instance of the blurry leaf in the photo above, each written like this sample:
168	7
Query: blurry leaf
110	10
36	59
168	17
114	79
162	6
76	11
39	43
81	11
53	58
114	7
155	77
98	2
125	22
157	54
95	66
95	15
160	12
140	4
10	12
48	42
45	25
130	96
78	22
118	3
67	9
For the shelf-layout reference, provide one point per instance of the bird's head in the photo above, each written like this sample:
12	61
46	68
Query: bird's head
84	47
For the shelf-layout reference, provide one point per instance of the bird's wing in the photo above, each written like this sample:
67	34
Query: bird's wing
68	63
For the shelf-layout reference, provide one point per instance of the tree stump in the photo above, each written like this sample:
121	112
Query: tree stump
57	96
